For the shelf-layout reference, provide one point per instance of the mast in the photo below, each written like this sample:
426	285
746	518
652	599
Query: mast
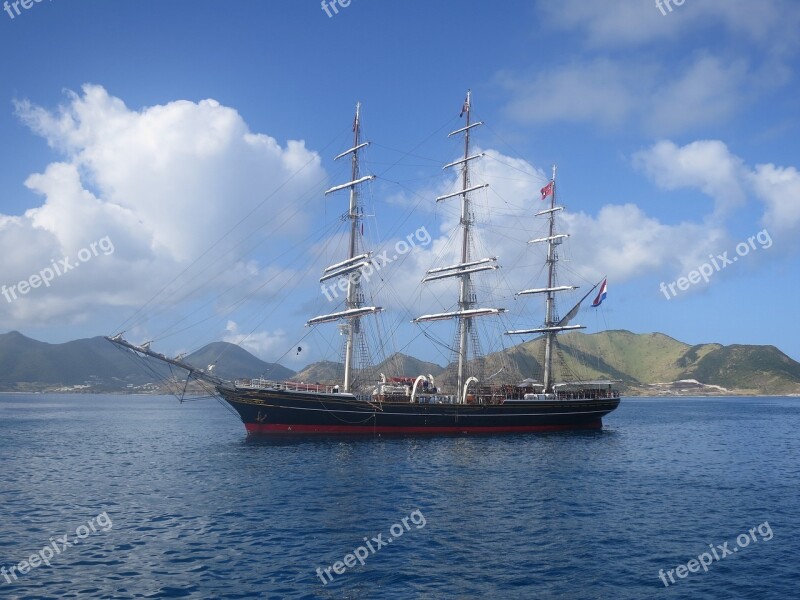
464	300
352	265
353	283
467	266
551	274
552	325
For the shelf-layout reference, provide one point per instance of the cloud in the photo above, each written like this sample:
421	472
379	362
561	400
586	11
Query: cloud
608	23
711	167
620	241
182	187
706	165
709	90
740	52
635	245
614	93
595	91
779	189
623	24
259	343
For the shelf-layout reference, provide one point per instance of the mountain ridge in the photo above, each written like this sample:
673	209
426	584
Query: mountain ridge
646	364
94	363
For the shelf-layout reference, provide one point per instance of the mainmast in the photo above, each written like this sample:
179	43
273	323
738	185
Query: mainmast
463	270
465	298
552	325
353	283
351	267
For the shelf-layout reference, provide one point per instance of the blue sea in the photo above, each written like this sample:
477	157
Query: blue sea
143	497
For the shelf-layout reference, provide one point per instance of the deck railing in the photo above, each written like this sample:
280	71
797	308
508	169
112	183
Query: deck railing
292	386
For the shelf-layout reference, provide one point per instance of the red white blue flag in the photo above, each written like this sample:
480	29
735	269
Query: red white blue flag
601	295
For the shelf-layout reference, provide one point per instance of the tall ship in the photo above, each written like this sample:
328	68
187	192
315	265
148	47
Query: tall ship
471	402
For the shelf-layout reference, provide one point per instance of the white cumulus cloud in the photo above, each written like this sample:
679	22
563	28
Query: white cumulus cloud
165	184
711	167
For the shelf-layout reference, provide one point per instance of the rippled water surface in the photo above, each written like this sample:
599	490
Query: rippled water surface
176	501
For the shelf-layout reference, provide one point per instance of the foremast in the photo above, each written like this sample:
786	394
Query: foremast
468	266
552	324
352	265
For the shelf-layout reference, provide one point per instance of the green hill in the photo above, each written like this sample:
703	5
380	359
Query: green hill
401	365
30	365
647	364
646	359
321	372
639	361
27	361
396	365
759	368
234	362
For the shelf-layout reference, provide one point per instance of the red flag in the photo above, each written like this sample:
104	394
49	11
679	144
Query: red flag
548	189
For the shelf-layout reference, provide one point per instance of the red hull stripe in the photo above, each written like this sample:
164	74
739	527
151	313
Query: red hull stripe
260	428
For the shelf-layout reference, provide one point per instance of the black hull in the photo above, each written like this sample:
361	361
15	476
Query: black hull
265	411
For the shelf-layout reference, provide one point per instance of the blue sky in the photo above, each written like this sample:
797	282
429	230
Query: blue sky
196	139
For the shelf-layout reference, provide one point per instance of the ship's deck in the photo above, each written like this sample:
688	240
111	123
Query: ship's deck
484	395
